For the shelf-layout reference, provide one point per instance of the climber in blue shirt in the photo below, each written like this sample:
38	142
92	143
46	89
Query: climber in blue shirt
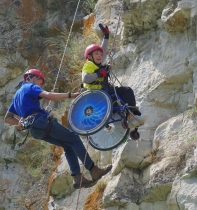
25	106
25	112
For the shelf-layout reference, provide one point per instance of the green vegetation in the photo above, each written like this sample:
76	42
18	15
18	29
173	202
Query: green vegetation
35	41
39	29
188	146
37	158
42	2
89	5
101	185
60	6
70	73
192	111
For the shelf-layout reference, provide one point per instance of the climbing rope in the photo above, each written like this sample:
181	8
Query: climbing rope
49	108
88	139
113	49
111	53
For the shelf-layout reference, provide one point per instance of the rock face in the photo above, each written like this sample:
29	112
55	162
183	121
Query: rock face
155	54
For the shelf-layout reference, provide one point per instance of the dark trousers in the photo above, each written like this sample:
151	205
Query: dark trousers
127	95
62	136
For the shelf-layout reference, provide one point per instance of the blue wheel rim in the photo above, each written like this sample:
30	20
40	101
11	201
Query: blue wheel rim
89	112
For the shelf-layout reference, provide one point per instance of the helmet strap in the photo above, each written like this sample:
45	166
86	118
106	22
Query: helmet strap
30	77
93	60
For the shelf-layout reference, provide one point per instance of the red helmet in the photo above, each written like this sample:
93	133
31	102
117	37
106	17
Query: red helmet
91	48
34	72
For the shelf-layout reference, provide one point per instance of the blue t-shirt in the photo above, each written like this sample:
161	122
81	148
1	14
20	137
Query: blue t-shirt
26	101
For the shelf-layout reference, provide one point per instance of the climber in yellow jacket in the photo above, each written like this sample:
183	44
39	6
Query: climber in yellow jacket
94	74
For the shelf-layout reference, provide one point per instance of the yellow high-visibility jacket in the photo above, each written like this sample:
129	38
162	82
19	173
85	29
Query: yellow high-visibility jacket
88	74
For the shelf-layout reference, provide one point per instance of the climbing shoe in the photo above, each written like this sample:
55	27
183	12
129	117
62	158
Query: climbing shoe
136	121
79	181
97	172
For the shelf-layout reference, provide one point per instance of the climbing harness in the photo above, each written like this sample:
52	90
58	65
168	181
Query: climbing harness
27	122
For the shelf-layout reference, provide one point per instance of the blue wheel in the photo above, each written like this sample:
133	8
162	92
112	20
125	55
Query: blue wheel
89	112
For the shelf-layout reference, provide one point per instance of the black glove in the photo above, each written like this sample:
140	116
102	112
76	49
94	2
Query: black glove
105	31
106	66
101	72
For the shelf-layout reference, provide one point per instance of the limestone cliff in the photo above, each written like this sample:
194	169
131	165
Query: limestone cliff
155	54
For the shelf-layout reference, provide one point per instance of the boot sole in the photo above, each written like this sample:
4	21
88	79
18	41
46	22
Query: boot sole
77	186
109	169
136	123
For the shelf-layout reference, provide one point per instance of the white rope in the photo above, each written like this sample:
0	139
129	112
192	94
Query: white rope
112	51
83	169
49	107
88	138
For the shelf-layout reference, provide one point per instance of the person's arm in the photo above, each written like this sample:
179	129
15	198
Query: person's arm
89	78
57	96
88	72
105	31
104	46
